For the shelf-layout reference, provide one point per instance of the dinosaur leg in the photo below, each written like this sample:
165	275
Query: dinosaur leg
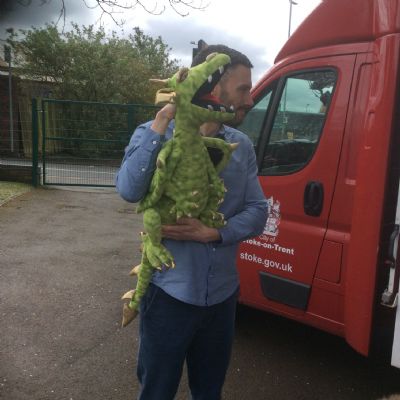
226	148
155	251
210	215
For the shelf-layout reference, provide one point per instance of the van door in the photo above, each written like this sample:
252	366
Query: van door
297	127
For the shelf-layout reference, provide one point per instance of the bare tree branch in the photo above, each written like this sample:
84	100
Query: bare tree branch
188	4
113	7
62	12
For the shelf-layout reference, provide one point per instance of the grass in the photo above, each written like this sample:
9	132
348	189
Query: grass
9	190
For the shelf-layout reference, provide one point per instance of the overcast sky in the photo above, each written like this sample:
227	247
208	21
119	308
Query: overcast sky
258	28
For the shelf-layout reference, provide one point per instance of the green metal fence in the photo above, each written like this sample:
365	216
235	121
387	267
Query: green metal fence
82	143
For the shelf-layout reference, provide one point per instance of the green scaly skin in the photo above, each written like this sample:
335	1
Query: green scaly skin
185	183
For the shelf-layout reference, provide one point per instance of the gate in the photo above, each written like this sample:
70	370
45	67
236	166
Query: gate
79	143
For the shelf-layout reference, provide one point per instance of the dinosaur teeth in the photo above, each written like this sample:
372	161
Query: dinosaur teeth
223	109
210	107
221	69
231	108
210	78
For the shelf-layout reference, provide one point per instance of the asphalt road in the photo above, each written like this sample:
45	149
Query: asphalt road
64	259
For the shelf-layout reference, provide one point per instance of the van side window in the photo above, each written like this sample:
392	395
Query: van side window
298	122
255	119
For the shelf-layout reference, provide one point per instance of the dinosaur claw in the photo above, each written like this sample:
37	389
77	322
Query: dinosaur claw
128	315
128	295
160	164
135	270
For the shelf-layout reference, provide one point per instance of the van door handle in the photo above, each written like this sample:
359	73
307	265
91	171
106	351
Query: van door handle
313	198
391	256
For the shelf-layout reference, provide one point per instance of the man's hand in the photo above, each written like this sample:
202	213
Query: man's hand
163	118
190	229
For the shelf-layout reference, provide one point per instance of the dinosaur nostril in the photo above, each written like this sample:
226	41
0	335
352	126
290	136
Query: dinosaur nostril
182	74
211	56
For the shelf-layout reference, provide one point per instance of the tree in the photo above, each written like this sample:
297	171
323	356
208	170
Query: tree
86	64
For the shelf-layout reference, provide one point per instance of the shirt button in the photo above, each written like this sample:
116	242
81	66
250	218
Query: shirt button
213	248
143	169
154	142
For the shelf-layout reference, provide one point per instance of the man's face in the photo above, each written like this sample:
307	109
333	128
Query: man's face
234	90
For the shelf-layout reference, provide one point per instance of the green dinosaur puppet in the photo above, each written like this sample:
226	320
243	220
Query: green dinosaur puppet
186	182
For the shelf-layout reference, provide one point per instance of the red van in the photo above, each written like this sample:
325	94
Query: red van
326	129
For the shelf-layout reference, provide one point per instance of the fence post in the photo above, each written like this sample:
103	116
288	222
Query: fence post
42	110
131	113
35	143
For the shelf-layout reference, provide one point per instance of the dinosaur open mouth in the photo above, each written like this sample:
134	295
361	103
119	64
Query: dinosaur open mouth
203	97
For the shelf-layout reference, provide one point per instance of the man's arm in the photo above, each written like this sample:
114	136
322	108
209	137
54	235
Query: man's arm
133	178
251	220
191	229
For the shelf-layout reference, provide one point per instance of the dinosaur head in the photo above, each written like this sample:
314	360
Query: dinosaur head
191	90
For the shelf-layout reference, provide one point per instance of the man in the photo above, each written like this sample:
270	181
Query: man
188	312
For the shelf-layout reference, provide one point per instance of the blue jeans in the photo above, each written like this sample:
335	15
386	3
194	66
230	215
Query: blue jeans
170	333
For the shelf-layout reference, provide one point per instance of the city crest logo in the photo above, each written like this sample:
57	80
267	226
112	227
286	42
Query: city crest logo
274	218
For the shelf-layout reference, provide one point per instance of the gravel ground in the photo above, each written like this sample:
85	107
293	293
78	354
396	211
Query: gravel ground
64	262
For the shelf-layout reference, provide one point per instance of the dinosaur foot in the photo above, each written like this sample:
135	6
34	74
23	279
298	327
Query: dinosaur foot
128	315
159	256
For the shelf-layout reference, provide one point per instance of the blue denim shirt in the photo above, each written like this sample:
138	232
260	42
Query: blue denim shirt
205	273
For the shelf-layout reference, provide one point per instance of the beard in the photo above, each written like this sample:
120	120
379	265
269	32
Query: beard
240	112
239	117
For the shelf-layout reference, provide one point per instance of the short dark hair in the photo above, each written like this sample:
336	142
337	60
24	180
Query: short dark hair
237	58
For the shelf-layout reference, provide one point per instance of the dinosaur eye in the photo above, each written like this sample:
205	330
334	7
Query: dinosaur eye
211	56
182	74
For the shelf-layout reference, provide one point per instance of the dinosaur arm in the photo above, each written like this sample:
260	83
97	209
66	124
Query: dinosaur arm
226	148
